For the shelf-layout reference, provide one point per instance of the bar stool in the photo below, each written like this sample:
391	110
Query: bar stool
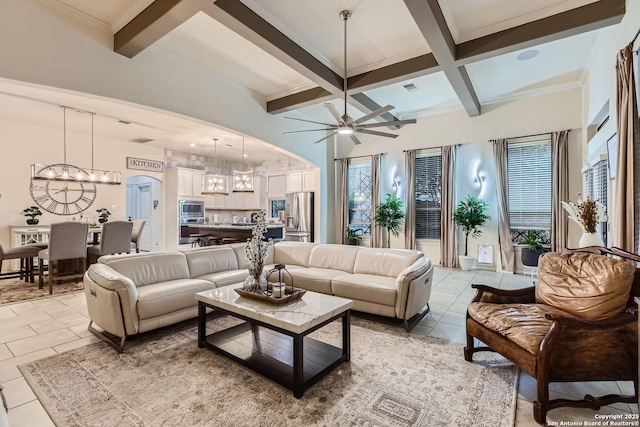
213	240
228	240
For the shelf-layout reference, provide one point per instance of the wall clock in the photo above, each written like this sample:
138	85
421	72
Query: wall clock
63	197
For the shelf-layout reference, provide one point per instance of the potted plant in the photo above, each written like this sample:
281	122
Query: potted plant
533	249
103	215
389	215
470	214
32	212
352	236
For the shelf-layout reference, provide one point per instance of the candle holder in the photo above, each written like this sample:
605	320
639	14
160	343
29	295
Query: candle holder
279	292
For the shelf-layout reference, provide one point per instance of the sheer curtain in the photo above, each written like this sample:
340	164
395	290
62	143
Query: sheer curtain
559	189
410	199
343	204
623	201
376	230
448	241
502	187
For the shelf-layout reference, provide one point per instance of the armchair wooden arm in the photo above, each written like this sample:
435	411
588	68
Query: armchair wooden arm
504	296
617	321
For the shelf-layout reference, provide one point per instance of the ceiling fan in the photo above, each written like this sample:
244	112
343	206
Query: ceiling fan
346	125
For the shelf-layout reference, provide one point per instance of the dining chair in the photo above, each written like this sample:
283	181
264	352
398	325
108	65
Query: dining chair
115	239
26	254
67	241
138	225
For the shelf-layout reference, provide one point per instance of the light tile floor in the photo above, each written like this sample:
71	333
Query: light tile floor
41	328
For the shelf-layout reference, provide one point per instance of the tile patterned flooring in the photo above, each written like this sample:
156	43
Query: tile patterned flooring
45	327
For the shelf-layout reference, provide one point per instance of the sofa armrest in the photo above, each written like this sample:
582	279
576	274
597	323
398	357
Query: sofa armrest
111	300
504	296
413	286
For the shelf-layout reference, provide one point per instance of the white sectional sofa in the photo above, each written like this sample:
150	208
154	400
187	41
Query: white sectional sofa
129	294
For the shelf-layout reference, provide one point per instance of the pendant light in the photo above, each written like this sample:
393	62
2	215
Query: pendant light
60	172
214	183
243	180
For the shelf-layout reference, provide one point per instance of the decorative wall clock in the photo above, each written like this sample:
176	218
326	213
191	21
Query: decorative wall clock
62	197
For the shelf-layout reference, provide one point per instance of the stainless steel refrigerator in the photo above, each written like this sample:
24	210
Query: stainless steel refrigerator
298	210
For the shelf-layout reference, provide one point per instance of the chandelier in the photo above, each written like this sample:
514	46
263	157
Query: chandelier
61	172
214	183
243	180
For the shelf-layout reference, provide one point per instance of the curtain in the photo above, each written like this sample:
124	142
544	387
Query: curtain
343	204
502	187
559	189
410	199
448	241
376	230
623	201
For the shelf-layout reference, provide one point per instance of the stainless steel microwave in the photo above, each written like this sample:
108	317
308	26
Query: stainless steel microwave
191	209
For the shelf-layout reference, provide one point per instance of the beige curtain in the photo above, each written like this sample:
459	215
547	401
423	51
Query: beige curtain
448	241
410	199
623	201
376	230
559	189
502	187
343	203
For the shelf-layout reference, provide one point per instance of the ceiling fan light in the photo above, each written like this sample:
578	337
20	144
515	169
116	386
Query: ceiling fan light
345	130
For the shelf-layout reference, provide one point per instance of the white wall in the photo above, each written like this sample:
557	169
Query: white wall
23	144
544	113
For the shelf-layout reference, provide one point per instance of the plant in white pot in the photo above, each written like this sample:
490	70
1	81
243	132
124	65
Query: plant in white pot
470	214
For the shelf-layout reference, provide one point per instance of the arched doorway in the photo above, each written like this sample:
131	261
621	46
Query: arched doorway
144	194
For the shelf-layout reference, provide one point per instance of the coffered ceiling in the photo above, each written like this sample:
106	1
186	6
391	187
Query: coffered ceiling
456	53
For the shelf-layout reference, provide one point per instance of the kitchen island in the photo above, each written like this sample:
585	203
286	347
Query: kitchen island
238	231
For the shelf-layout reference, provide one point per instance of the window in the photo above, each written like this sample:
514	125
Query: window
276	205
428	195
596	186
529	176
360	191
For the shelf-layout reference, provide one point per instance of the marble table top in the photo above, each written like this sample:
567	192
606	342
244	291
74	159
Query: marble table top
312	309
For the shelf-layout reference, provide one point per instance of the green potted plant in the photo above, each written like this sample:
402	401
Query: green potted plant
32	212
389	215
103	215
352	236
533	249
470	214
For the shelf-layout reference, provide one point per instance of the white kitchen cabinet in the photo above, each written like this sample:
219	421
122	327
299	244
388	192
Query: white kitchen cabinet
309	181
196	183
301	181
185	183
295	182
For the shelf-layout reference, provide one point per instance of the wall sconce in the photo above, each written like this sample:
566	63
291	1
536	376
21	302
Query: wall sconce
155	203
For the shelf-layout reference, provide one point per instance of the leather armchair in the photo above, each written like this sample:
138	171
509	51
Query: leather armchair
577	324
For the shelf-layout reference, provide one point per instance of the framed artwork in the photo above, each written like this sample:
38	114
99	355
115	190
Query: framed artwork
612	155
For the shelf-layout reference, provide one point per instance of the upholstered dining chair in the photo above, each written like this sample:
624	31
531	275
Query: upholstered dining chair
138	225
115	239
67	241
26	254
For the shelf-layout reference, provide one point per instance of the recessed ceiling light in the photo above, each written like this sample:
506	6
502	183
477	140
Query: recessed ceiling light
192	145
410	87
245	155
527	54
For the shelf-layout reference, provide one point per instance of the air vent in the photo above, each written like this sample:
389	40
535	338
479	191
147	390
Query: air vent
124	122
141	140
410	87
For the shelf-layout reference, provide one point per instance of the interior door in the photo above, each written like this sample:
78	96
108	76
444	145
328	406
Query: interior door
144	203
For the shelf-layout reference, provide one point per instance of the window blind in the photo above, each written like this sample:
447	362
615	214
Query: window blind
529	176
428	180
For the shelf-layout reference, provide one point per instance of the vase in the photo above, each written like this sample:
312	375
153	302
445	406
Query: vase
102	220
590	239
32	221
256	281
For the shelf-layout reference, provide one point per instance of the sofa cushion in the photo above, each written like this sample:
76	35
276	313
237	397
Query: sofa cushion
524	324
336	257
212	260
170	296
292	253
384	262
226	278
146	269
314	279
593	287
365	287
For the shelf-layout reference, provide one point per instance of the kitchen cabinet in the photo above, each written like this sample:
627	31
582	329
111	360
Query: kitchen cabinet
196	183
295	182
301	181
309	181
185	183
189	183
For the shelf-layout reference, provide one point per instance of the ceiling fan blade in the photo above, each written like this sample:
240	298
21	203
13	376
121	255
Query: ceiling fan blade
309	130
355	139
310	121
389	123
374	132
373	114
334	112
326	137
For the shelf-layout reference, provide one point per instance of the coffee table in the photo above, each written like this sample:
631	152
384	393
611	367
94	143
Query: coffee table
273	339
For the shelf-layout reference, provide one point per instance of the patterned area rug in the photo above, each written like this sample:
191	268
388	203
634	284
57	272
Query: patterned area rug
162	378
14	290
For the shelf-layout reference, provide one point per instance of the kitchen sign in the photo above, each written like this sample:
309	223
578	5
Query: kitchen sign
145	165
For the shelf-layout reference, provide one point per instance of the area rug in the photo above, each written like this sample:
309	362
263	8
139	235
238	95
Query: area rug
164	379
14	290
